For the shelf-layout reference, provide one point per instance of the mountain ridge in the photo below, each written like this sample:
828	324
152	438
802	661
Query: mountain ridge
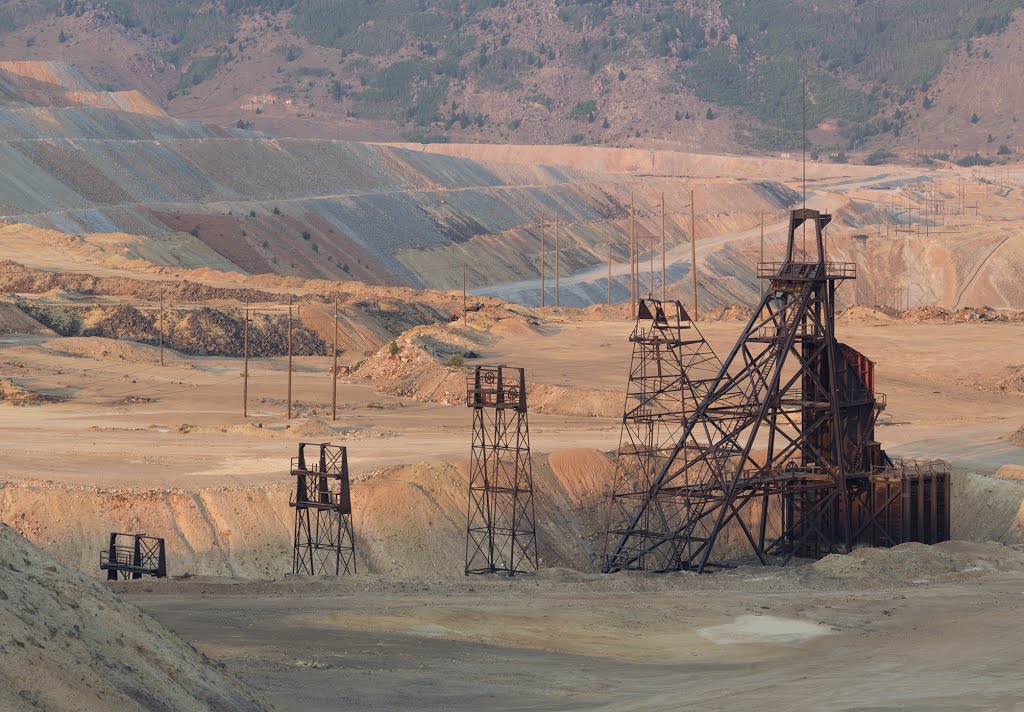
710	75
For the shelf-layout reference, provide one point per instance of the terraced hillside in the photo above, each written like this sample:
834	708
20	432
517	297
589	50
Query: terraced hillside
79	161
380	214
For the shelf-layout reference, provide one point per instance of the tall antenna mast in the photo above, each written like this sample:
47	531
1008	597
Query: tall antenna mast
803	146
803	149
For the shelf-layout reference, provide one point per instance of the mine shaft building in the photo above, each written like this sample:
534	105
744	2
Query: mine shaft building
776	456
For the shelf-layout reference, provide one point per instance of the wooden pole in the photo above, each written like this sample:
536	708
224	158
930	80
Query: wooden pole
693	253
609	274
542	261
245	370
161	327
558	273
289	359
465	316
334	367
632	260
663	267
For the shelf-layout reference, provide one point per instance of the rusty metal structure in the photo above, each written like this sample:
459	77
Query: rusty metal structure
132	556
779	458
324	542
909	502
671	371
501	534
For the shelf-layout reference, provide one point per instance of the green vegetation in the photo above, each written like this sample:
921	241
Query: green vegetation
455	361
424	138
584	110
546	101
393	348
879	157
865	62
975	160
199	70
290	52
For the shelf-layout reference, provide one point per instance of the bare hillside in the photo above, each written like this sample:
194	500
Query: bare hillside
977	103
70	644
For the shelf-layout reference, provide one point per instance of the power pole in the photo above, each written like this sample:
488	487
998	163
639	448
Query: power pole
289	358
663	270
558	274
465	316
632	260
161	327
245	370
609	274
334	367
542	261
693	253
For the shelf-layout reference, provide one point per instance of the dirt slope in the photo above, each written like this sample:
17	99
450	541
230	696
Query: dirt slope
246	531
14	321
69	644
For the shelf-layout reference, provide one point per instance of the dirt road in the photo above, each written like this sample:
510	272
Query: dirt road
829	197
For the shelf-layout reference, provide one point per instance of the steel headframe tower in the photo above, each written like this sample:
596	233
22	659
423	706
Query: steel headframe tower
501	534
324	537
763	461
134	556
672	370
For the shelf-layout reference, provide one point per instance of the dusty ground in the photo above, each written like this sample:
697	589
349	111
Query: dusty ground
98	436
924	630
68	643
123	417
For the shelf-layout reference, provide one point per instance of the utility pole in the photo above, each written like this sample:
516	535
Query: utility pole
289	358
161	327
558	273
663	269
693	253
609	274
334	367
632	260
245	370
465	314
760	282
542	261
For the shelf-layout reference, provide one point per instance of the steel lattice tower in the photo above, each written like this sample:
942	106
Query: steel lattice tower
670	374
501	532
324	537
762	460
